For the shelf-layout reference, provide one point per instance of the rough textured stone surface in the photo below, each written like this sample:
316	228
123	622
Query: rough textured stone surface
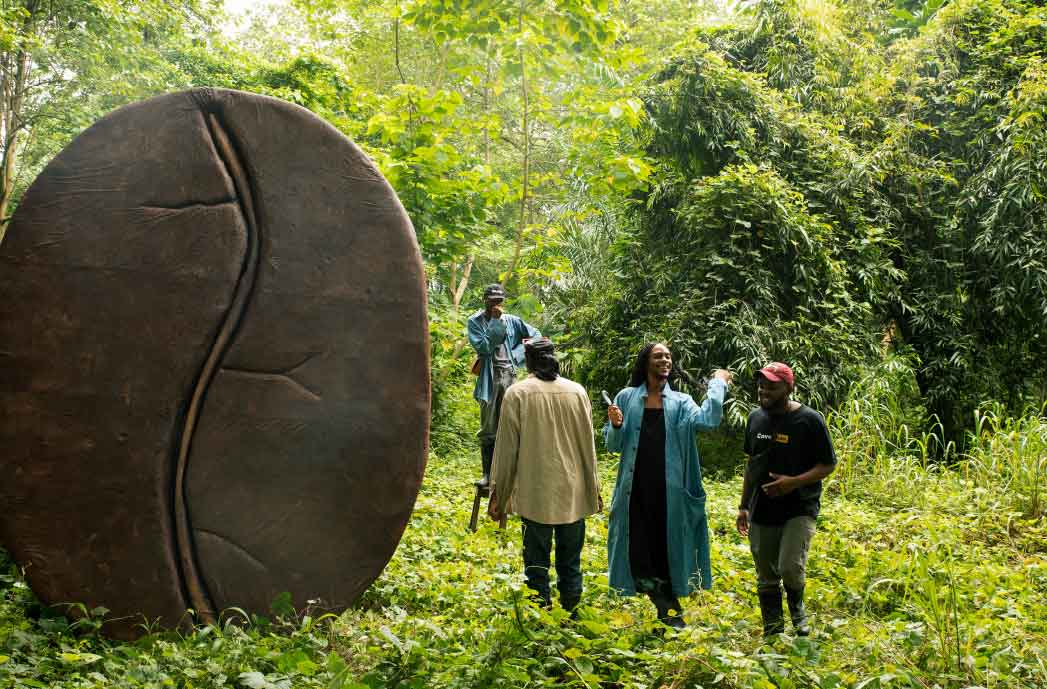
214	364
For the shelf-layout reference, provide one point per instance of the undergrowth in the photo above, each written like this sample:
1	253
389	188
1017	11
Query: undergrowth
922	574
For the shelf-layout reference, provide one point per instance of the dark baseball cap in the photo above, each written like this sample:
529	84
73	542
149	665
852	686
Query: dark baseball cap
494	291
776	371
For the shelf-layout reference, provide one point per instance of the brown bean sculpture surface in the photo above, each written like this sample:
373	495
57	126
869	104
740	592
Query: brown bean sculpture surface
214	364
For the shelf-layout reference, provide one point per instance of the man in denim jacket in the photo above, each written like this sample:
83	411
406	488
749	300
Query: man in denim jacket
498	339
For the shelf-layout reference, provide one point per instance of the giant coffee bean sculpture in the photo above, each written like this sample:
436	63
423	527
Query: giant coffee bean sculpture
214	364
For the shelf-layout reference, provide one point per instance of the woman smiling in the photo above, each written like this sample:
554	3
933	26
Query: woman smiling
658	542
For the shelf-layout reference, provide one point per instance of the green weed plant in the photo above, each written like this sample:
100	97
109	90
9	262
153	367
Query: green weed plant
926	572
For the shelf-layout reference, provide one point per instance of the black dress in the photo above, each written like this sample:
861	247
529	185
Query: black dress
648	515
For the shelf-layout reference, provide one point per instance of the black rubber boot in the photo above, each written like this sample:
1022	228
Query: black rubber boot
771	611
544	600
486	458
797	611
570	604
664	602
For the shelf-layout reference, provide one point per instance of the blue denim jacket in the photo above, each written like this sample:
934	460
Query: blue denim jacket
486	336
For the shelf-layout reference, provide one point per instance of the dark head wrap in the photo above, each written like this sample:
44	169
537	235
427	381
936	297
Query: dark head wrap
541	358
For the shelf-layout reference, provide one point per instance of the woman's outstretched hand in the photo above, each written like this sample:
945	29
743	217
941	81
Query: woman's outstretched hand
724	375
614	415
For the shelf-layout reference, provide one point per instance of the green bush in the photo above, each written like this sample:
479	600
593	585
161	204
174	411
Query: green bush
454	419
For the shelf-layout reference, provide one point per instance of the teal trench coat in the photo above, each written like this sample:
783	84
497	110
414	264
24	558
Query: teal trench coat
688	535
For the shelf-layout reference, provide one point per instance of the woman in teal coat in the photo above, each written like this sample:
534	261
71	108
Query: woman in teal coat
658	540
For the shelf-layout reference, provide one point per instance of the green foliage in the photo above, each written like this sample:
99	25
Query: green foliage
908	16
571	25
449	195
818	55
916	169
769	282
1012	452
963	166
453	409
883	451
880	438
760	239
60	647
64	63
934	591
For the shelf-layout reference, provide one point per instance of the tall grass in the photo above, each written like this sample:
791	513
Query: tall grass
1009	456
884	443
886	447
932	592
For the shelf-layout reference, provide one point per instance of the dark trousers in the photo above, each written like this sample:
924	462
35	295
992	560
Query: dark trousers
780	553
537	547
491	410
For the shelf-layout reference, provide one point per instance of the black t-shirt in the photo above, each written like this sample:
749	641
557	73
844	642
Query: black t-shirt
789	444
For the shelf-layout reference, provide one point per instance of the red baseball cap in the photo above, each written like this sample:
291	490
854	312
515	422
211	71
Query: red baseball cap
776	371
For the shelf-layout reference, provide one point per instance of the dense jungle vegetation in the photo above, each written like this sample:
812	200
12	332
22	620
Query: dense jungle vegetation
856	187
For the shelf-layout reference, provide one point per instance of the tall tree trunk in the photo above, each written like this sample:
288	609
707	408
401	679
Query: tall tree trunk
525	182
487	105
7	177
396	45
458	286
16	68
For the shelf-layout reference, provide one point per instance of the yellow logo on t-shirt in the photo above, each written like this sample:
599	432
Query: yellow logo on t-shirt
781	438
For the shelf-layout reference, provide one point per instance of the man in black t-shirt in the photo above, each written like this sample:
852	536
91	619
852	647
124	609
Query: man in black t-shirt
789	454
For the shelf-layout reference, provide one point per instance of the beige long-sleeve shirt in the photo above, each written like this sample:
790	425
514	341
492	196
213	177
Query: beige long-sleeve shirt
544	453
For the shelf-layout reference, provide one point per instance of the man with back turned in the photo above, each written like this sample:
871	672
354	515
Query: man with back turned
545	471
